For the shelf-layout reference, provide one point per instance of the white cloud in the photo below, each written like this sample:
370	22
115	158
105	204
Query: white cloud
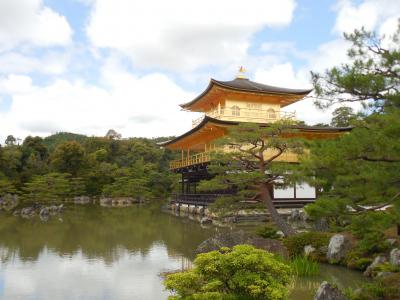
30	22
282	75
134	106
369	13
183	35
50	63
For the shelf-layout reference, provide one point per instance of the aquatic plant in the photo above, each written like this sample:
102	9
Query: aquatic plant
304	266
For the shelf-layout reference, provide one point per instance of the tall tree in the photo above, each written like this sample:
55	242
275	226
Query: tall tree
10	140
363	165
68	157
251	164
343	116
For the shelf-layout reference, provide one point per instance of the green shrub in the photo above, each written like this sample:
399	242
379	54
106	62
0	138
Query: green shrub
359	263
268	232
304	266
386	288
242	272
387	267
295	244
369	229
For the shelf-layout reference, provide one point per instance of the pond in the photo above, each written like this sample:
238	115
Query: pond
91	252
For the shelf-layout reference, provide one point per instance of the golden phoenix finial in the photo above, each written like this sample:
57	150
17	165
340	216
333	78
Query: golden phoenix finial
241	73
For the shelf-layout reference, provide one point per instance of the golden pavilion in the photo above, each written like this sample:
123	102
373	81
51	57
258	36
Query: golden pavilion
229	103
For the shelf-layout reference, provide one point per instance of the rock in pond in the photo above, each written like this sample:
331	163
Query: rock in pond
395	257
230	239
338	247
8	202
28	212
205	220
44	212
326	291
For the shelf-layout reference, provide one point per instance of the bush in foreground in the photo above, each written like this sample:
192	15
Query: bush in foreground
242	272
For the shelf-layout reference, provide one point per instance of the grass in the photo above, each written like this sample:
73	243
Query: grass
304	266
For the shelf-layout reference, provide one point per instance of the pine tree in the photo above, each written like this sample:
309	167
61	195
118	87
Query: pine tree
360	171
251	164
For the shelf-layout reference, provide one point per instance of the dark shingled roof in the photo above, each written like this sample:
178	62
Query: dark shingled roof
246	85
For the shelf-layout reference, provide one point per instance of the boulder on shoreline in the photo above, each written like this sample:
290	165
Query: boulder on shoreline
326	291
395	257
373	266
338	247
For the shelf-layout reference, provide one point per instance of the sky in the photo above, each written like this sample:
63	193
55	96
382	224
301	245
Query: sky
86	66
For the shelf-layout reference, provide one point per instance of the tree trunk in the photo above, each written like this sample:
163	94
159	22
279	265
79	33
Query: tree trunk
265	196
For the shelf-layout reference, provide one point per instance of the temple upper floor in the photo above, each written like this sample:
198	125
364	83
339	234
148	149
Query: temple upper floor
245	111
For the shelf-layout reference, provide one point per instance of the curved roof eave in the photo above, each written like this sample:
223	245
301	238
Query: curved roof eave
205	120
245	85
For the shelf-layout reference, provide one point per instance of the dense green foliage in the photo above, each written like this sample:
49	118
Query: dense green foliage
242	272
358	173
268	232
66	165
385	288
343	116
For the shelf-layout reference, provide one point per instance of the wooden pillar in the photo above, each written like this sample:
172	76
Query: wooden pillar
183	184
294	190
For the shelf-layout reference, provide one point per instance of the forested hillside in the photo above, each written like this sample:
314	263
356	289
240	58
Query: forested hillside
65	165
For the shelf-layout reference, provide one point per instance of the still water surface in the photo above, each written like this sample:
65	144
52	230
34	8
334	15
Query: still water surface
92	252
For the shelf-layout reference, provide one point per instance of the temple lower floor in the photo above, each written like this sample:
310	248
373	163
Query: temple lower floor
296	195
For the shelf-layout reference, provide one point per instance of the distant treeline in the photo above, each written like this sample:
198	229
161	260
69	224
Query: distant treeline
65	165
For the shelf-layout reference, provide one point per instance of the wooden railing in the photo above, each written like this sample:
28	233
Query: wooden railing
195	159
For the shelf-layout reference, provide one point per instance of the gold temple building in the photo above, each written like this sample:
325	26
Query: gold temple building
229	103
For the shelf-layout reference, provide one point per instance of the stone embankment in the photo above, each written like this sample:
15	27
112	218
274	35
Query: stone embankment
119	201
297	217
109	201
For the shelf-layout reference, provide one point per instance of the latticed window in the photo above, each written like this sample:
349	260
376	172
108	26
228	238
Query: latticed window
235	110
271	113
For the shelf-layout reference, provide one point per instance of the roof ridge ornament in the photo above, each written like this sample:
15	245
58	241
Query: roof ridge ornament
241	73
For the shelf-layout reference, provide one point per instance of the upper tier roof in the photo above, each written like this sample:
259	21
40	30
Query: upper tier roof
246	85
